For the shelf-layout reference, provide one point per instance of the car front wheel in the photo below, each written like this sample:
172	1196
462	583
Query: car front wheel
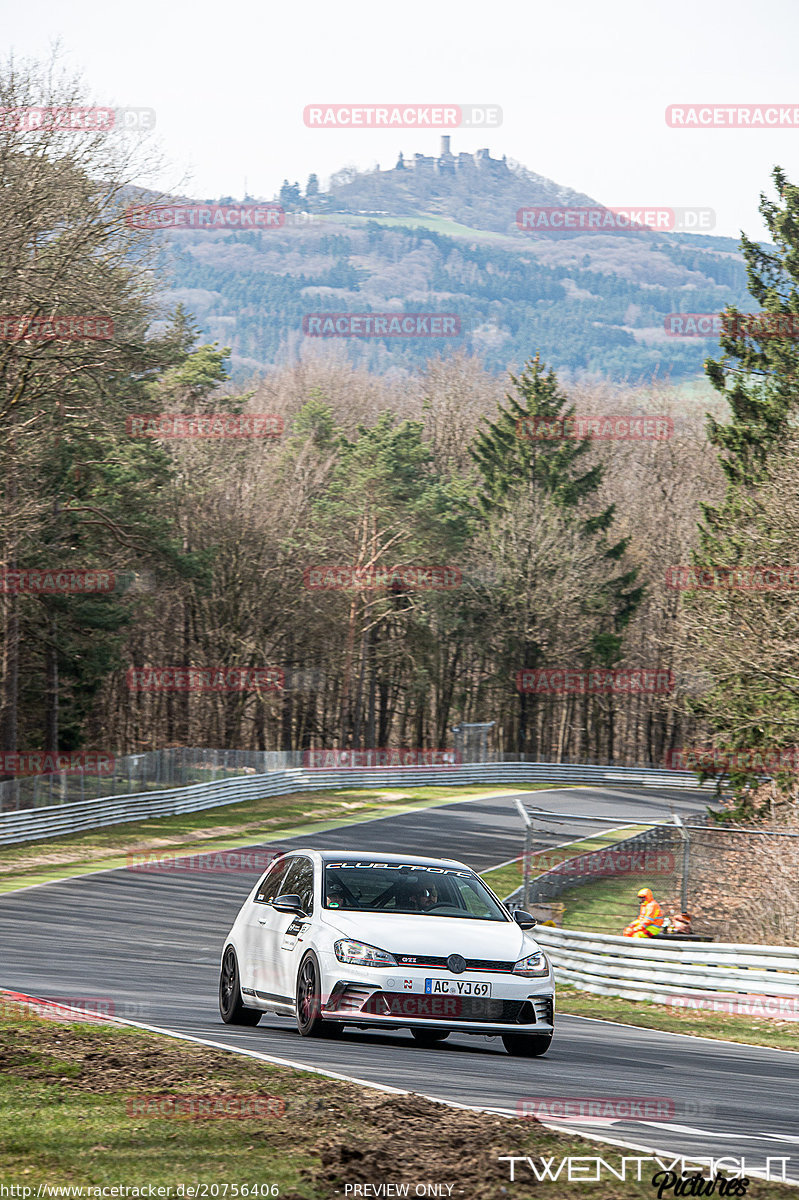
230	1006
524	1046
309	1002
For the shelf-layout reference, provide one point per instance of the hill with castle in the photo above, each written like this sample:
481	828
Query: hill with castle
473	189
438	234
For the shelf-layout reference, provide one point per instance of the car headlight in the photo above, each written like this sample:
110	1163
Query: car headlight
532	966
361	955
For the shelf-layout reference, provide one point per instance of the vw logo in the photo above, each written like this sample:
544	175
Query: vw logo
456	964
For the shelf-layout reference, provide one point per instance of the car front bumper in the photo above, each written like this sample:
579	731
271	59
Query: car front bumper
397	998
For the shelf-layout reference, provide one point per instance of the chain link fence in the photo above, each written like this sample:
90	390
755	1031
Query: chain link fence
152	771
737	884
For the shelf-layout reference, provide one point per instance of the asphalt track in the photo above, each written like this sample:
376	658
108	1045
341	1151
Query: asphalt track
150	943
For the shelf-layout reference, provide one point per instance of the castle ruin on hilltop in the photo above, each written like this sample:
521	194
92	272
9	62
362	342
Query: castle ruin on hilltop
448	163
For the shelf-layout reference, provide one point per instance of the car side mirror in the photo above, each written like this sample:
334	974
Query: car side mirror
289	904
523	919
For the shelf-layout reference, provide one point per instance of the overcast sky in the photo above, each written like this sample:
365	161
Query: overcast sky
583	87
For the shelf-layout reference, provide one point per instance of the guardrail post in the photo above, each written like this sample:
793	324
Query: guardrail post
686	854
528	849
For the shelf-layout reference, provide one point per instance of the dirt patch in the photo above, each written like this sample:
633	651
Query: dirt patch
410	1140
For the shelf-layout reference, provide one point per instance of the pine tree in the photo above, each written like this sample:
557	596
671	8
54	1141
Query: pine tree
520	467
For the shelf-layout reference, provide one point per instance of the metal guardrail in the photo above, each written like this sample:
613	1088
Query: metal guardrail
75	817
668	970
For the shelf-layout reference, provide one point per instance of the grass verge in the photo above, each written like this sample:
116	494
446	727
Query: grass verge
249	823
87	1105
751	1031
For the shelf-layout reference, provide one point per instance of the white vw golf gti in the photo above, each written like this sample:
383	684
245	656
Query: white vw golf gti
385	940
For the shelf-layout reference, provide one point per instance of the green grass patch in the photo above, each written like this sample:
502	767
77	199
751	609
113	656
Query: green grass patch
506	878
752	1031
85	1105
608	905
443	225
226	827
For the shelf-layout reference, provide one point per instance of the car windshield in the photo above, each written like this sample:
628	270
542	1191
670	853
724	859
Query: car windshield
373	886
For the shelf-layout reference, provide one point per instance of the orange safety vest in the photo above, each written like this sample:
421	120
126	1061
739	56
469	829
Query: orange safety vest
650	918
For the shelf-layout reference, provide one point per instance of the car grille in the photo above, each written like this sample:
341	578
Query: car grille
472	964
450	1008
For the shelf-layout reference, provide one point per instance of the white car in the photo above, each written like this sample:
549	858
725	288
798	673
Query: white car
386	941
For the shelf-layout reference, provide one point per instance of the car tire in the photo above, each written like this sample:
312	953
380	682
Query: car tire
429	1037
231	1008
309	1002
523	1045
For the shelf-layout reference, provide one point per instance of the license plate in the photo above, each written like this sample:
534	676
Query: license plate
456	987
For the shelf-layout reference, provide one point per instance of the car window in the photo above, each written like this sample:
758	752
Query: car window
268	887
298	881
369	886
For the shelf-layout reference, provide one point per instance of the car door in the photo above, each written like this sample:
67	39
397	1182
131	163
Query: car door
290	930
260	914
